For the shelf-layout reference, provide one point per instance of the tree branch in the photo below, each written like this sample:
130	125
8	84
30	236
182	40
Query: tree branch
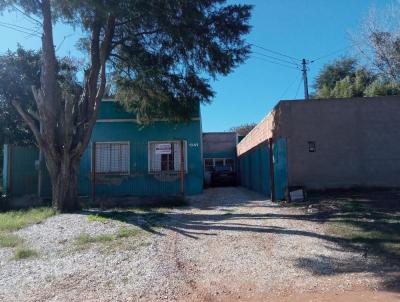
102	54
30	122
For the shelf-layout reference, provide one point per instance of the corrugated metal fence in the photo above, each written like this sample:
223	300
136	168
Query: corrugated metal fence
263	172
141	169
19	174
107	170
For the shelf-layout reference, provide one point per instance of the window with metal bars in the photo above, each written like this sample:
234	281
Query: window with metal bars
113	158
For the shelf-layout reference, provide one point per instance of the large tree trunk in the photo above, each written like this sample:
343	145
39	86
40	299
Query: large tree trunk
67	121
65	186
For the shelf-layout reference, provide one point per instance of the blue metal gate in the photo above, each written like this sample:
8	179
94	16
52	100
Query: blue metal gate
261	171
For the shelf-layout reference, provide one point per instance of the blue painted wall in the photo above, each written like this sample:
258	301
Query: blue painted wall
5	168
115	124
24	177
254	169
280	168
140	182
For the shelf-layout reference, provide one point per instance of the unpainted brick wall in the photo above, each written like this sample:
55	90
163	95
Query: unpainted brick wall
259	134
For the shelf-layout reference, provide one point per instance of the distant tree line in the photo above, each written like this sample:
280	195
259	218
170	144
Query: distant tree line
243	129
345	78
375	70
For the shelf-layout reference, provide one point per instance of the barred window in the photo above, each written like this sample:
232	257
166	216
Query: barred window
113	158
211	163
166	156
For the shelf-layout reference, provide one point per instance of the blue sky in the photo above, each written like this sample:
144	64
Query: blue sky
299	28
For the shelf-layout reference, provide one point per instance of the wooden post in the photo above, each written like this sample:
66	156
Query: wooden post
10	170
94	171
271	168
182	169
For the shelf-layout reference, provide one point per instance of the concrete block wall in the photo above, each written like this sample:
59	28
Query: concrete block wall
357	141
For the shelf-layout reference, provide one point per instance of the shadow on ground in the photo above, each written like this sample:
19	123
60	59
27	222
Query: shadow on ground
366	222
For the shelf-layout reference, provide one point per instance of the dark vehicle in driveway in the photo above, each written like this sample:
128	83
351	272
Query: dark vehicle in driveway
223	176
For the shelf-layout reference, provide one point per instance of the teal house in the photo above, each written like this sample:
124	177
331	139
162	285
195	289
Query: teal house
123	158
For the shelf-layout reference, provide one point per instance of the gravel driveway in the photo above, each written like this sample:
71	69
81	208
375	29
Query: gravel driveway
229	244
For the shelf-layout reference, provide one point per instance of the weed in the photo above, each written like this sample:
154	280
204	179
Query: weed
15	220
10	240
24	253
128	232
85	239
97	217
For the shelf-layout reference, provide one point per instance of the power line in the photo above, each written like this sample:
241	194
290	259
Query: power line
274	62
275	58
27	15
275	52
336	51
287	89
61	43
298	86
18	26
19	30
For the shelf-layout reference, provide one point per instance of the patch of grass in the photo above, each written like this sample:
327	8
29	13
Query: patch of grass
128	232
15	220
10	240
84	240
24	253
362	223
97	217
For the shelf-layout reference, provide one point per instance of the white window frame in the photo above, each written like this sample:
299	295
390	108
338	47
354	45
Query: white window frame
166	142
114	173
218	158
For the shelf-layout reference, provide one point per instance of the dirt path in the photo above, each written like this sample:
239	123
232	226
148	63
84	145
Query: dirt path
228	245
233	246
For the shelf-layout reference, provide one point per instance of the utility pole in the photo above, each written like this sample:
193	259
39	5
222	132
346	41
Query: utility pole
304	70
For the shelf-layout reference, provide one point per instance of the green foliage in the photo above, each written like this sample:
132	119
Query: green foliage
128	232
15	220
334	72
377	229
83	241
164	73
382	88
24	253
10	240
163	52
97	218
19	71
344	78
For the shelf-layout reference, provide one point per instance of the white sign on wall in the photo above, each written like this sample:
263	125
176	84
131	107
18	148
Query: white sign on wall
163	148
